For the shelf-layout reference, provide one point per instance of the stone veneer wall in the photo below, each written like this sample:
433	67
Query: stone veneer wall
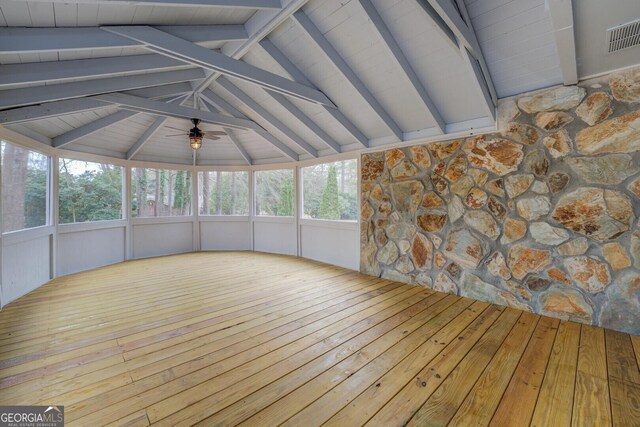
540	217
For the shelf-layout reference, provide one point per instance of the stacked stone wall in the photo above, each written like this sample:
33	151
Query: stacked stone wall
542	216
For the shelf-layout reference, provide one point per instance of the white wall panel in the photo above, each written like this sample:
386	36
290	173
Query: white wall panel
25	264
155	239
333	243
275	237
87	249
225	235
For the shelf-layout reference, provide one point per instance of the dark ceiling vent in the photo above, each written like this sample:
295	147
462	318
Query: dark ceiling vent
623	36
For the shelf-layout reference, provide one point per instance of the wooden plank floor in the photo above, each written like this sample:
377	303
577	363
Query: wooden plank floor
238	338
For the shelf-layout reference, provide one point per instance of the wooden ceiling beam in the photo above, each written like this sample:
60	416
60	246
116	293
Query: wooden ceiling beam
175	47
40	40
340	64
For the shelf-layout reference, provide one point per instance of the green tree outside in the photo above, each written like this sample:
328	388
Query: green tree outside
330	205
89	192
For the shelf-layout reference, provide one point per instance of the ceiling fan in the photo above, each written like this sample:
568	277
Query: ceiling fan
196	135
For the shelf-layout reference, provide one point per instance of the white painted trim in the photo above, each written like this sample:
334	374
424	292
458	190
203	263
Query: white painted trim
323	223
126	211
195	211
275	219
79	227
163	220
19	236
55	180
561	12
224	218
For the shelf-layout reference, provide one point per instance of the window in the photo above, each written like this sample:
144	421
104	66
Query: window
89	191
24	187
223	193
160	192
274	192
329	191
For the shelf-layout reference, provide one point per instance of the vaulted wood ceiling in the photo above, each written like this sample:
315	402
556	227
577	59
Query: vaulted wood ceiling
287	80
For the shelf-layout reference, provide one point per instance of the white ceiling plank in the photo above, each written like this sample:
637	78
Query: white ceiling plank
297	75
21	40
239	147
458	21
441	25
37	94
90	128
176	47
332	54
282	59
221	104
266	115
306	121
450	15
234	140
395	50
251	4
258	27
474	70
146	136
171	110
280	146
30	133
562	19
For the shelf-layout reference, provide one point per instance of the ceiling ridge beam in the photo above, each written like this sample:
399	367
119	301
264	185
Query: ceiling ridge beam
394	48
562	21
257	27
336	59
162	91
91	128
297	75
146	136
266	115
48	110
176	47
37	40
60	71
39	94
76	105
250	4
306	121
171	110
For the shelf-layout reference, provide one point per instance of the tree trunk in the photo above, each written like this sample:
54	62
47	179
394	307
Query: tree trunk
170	194
206	194
139	196
14	177
156	209
218	192
233	193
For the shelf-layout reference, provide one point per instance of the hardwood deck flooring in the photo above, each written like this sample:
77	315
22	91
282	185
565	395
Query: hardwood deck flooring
219	339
